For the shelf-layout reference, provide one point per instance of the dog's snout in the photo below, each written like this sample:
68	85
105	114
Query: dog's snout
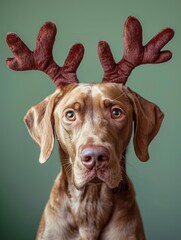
94	156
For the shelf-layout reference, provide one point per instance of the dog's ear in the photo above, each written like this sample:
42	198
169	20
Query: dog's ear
147	121
39	121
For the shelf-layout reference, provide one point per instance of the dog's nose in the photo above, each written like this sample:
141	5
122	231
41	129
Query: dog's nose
94	156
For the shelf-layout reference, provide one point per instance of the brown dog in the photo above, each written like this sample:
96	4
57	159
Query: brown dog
92	198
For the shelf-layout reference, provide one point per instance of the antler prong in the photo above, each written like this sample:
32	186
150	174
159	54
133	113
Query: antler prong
152	51
20	51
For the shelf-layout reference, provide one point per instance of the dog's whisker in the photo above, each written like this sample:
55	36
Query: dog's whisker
67	166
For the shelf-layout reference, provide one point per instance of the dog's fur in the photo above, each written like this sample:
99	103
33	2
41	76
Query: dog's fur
93	198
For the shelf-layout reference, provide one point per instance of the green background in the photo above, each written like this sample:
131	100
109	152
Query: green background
24	183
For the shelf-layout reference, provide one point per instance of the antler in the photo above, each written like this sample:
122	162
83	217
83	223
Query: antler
42	59
134	52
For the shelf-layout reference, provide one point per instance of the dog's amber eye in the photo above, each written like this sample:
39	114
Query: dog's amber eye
116	113
70	115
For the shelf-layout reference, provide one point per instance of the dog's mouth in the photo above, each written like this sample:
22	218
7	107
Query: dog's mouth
98	176
95	180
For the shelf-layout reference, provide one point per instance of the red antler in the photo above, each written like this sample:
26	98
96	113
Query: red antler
42	59
134	52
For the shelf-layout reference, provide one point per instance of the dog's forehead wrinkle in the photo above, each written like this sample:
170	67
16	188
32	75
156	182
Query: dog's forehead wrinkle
111	91
78	95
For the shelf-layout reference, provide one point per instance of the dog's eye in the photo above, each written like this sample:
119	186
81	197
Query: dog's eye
70	115
116	113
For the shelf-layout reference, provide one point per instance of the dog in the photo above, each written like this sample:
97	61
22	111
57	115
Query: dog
92	197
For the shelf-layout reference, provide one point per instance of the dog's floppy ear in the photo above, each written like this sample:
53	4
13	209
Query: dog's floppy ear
147	121
39	122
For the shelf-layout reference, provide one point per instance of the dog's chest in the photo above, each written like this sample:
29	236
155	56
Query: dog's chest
92	209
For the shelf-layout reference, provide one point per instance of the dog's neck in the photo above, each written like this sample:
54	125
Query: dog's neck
96	202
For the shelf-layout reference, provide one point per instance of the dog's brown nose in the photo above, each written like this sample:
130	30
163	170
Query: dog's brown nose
94	156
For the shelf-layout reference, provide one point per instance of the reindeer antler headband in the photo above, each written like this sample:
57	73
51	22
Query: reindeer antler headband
134	54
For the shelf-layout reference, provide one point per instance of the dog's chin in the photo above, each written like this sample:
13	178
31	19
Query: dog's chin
97	181
87	182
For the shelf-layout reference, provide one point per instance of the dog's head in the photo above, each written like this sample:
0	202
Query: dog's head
93	124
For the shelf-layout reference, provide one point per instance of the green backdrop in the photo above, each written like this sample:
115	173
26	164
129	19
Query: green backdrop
24	183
